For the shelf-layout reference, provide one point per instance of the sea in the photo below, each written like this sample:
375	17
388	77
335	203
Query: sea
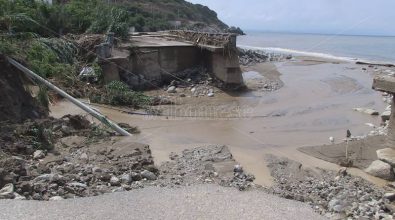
345	47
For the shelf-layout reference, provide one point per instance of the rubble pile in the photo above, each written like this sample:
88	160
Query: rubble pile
209	164
252	57
52	159
335	195
195	82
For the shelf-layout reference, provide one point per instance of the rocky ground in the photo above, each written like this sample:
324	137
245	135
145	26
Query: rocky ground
76	159
61	158
252	57
335	195
190	83
209	164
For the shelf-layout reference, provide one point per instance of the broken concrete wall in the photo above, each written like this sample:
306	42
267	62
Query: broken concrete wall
146	64
225	67
150	67
158	64
176	59
110	72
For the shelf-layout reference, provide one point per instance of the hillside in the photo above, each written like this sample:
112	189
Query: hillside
163	14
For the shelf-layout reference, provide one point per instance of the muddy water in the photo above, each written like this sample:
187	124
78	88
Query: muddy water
315	103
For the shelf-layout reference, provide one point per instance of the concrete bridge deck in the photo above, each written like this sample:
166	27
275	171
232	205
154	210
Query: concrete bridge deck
156	57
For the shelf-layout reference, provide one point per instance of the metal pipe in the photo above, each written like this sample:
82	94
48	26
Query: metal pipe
84	107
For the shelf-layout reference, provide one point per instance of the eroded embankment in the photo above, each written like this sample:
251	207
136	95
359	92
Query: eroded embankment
16	103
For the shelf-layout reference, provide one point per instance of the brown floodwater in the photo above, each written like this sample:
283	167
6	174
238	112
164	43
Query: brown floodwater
314	104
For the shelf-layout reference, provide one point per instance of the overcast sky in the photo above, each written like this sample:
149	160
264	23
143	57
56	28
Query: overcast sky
369	17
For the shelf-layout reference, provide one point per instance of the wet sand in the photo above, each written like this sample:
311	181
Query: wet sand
361	152
315	102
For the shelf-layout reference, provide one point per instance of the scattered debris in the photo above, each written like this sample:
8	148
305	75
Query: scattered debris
334	195
367	111
251	57
88	74
210	164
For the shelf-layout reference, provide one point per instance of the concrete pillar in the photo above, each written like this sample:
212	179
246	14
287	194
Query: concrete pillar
110	72
110	39
103	50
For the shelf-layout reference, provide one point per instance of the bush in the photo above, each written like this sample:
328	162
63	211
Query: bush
41	137
45	62
7	48
42	97
111	20
118	93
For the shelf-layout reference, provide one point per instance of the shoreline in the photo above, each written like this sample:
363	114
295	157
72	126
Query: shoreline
318	55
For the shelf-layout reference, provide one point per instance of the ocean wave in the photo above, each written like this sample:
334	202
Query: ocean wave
308	53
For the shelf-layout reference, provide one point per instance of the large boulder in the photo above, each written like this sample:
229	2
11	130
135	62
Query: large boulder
7	192
148	175
387	155
381	169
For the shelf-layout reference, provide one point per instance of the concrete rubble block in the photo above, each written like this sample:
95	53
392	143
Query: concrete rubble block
7	192
148	175
367	111
38	154
172	89
390	196
386	115
387	155
384	84
381	169
56	198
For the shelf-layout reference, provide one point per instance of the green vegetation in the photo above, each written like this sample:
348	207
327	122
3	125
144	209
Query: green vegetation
40	137
118	93
42	97
75	16
98	16
49	61
35	33
153	15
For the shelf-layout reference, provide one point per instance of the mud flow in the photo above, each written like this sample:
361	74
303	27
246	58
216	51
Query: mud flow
310	102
